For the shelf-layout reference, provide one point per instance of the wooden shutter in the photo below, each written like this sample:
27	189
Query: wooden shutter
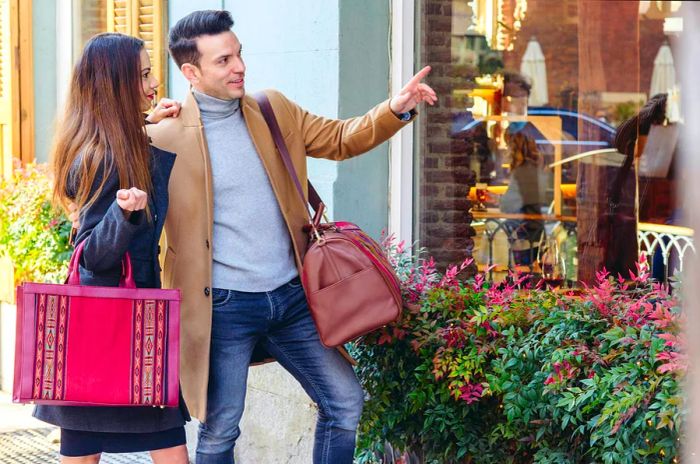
119	16
9	86
149	25
146	20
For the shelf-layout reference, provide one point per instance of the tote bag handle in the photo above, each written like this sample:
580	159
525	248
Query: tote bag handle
127	276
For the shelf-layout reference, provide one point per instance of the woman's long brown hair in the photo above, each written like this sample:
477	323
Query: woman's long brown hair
103	123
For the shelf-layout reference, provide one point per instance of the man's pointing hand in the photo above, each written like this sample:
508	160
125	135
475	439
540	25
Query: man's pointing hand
413	93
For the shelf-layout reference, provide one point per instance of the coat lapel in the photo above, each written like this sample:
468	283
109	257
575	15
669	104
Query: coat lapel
191	117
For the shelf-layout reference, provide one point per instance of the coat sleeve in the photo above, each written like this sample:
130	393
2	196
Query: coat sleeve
104	228
339	139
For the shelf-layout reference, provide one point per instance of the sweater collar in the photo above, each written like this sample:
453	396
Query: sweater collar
215	108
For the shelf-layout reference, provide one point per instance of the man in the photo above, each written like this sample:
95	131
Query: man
235	241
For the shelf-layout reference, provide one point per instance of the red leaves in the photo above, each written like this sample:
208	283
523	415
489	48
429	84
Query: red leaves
450	277
674	362
624	418
455	337
662	317
563	371
471	392
643	274
387	338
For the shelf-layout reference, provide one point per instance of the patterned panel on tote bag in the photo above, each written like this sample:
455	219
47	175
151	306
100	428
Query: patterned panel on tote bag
50	351
147	372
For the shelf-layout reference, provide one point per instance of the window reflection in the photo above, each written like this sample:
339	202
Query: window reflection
519	159
90	18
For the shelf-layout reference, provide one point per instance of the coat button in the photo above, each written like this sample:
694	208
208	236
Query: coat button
158	249
206	291
207	242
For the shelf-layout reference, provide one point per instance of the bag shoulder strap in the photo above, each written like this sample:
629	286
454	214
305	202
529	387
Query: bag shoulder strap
273	125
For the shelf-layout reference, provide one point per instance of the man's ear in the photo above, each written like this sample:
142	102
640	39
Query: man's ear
191	72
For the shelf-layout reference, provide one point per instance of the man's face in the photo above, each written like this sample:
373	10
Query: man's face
221	70
515	99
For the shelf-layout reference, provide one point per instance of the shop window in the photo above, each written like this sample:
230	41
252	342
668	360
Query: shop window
90	18
517	162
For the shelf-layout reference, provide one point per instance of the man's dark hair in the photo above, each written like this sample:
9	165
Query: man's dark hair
182	41
514	78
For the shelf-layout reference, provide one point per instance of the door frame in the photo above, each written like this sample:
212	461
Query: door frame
19	88
26	82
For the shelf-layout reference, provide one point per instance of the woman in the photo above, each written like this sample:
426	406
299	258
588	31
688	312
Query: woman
104	165
525	195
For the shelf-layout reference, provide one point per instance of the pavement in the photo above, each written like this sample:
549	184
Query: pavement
25	440
16	416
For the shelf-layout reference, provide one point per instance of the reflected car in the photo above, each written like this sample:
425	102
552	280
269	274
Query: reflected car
580	133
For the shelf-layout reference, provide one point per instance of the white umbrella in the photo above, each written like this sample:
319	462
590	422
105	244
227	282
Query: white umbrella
533	66
663	78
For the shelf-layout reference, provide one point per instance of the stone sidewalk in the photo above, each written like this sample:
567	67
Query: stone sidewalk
25	440
277	426
35	446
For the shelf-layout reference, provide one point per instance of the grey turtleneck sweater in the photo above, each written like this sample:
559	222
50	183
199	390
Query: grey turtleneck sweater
252	247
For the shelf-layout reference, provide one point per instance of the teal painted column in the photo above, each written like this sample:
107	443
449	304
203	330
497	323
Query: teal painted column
361	191
44	79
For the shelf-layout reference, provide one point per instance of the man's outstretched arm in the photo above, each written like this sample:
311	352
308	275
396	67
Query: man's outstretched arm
342	139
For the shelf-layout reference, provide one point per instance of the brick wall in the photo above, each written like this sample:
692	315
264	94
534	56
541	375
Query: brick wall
444	177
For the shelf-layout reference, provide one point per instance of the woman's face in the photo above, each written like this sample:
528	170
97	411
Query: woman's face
148	82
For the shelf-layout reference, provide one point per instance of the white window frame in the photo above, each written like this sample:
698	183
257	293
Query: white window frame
64	50
401	144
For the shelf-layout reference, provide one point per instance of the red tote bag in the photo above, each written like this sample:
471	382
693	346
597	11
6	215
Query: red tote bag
97	346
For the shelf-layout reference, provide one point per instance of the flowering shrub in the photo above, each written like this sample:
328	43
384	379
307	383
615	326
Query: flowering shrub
33	234
475	372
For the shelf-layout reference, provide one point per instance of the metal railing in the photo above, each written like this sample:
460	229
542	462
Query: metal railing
665	246
504	244
514	242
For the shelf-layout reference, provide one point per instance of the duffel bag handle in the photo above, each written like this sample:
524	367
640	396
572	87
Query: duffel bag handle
127	276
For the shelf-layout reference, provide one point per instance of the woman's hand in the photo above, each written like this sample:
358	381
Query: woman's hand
131	200
166	108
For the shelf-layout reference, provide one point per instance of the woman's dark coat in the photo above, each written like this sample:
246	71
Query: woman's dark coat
108	235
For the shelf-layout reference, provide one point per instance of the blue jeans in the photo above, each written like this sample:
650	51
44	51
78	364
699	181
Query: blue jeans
280	321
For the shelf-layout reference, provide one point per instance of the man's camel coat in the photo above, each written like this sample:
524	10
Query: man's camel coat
188	227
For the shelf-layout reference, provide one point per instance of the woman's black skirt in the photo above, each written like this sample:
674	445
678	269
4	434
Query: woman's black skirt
76	443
